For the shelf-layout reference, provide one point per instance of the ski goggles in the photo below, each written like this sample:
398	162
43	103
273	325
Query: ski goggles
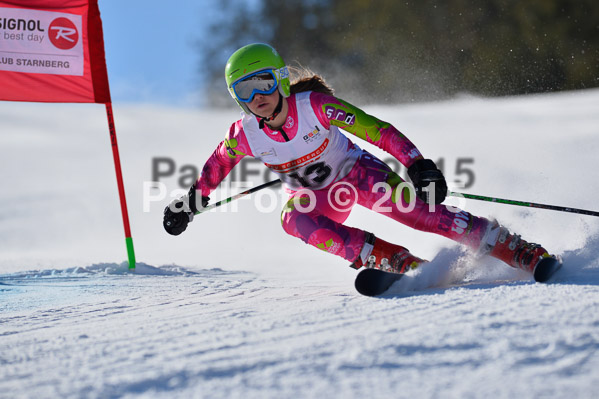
260	82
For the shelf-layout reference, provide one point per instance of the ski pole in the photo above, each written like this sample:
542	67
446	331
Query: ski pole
523	203
450	193
237	196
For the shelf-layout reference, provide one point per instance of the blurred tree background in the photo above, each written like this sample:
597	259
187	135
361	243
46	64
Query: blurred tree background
399	51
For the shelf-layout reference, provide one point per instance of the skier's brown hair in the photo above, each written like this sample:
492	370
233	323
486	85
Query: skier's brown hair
303	79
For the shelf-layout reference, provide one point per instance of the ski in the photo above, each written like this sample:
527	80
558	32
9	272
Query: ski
373	282
546	268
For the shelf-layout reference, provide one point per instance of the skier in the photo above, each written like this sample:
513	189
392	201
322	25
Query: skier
294	129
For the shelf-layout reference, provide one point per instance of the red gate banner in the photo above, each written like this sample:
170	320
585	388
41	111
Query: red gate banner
52	51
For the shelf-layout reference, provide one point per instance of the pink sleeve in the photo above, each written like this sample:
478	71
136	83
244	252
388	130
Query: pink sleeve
357	122
228	154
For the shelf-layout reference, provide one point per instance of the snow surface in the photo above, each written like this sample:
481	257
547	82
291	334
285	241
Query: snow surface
236	308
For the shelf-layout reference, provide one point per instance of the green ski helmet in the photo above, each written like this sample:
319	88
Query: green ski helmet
253	58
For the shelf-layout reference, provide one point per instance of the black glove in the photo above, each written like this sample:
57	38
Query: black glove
180	212
423	173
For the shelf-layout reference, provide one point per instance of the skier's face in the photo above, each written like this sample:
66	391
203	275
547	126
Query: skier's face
264	105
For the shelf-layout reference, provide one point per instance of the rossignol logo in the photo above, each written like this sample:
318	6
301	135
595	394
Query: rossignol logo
63	33
21	30
21	24
37	41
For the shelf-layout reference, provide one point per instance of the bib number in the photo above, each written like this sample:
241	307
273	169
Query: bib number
313	174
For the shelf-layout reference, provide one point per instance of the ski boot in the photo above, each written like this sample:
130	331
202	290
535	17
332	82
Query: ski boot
520	254
379	254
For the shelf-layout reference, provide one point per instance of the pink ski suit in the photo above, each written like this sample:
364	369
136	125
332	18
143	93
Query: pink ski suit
327	174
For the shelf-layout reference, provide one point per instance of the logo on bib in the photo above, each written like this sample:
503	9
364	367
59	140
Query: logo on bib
289	123
313	135
267	153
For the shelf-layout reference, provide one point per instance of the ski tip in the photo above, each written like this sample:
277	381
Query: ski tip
546	268
373	282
